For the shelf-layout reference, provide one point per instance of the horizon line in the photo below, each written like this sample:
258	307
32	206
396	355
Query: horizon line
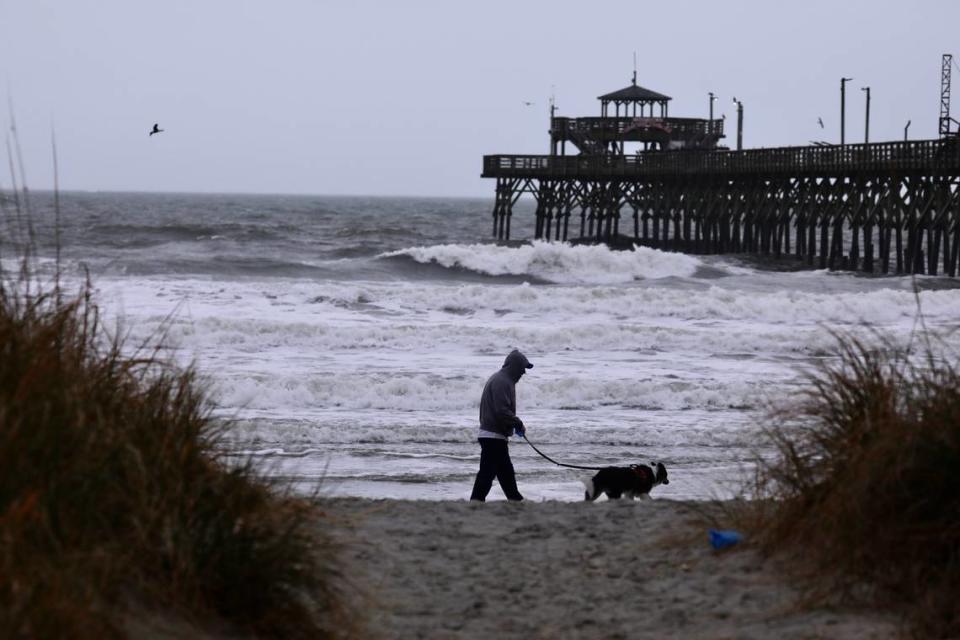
251	193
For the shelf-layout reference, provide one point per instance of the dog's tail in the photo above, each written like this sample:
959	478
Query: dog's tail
590	491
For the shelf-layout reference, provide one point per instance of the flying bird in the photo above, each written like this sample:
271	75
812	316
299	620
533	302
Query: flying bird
820	122
528	104
156	129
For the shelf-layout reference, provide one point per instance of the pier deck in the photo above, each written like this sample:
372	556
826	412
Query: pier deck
928	157
882	207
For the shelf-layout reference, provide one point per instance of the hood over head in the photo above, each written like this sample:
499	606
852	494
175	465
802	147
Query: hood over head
516	364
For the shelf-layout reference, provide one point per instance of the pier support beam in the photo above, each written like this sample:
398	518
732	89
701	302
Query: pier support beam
874	222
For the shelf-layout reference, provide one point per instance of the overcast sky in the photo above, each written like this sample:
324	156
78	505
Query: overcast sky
405	97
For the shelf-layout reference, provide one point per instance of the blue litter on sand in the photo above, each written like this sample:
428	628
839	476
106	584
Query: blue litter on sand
721	539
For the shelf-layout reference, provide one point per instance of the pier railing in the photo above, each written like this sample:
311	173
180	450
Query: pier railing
616	128
930	157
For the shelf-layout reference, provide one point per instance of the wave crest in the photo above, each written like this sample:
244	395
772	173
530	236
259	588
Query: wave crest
556	263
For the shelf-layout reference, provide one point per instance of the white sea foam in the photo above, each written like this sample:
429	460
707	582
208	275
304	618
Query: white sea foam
483	319
555	262
408	392
380	380
366	371
448	433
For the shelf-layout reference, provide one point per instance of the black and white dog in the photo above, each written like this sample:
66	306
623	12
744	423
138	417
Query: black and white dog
634	481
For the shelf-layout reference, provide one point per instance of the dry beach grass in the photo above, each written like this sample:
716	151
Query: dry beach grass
113	496
865	487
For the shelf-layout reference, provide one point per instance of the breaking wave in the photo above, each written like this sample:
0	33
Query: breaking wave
556	263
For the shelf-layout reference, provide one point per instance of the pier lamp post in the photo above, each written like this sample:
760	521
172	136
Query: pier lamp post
905	129
712	98
739	124
553	114
843	110
866	130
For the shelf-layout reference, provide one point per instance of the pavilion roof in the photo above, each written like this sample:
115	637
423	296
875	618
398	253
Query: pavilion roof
634	93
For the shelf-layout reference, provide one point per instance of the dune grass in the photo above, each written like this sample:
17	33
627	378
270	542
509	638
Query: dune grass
114	497
865	486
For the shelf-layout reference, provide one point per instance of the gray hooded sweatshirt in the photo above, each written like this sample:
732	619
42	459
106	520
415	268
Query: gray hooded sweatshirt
498	402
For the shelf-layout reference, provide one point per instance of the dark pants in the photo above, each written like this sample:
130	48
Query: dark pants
495	462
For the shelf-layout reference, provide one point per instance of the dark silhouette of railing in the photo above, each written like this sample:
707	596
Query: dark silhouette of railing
616	128
930	157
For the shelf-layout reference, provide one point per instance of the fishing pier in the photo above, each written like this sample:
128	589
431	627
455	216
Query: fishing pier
887	207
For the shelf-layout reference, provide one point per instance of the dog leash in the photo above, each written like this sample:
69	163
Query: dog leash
560	464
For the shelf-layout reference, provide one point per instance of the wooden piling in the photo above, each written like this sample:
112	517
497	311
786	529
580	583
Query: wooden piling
897	212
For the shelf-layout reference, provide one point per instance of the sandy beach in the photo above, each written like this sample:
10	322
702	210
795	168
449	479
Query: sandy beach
609	569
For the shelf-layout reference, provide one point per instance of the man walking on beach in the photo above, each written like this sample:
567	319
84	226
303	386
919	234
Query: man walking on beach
498	421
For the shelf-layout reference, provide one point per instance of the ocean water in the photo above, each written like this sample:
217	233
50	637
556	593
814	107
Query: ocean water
346	340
